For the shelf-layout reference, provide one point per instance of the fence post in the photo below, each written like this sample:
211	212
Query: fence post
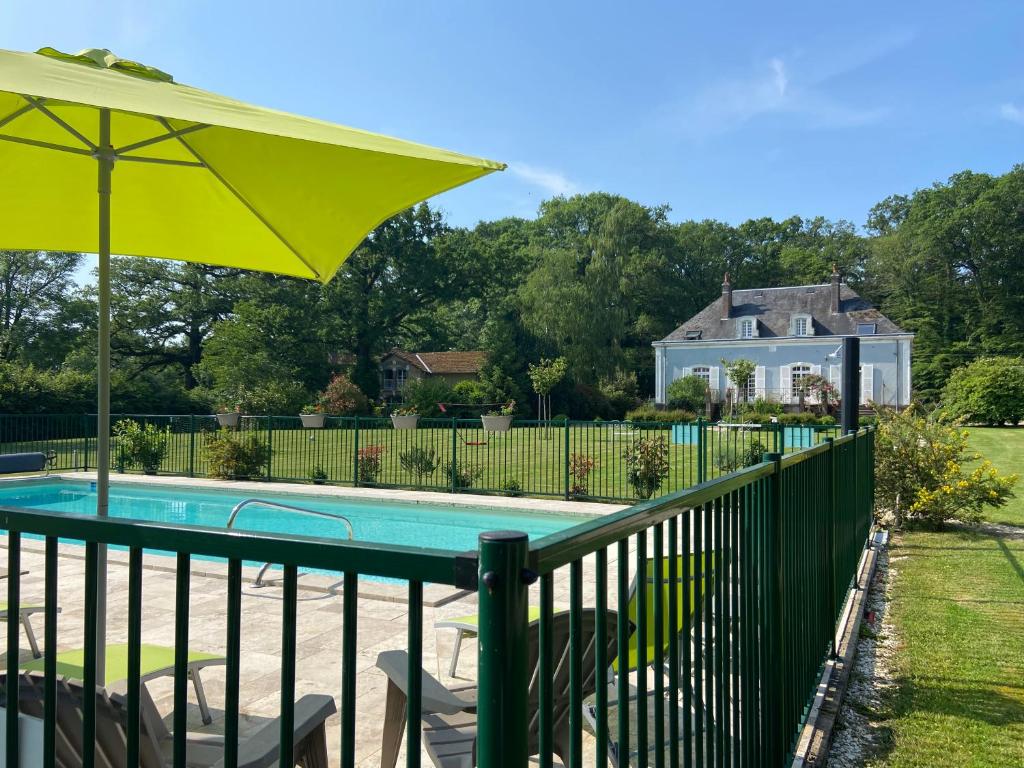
701	449
85	449
455	447
774	700
270	446
502	734
191	445
355	453
566	475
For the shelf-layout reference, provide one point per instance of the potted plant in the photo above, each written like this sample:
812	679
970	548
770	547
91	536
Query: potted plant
141	446
318	475
499	420
405	417
313	416
229	415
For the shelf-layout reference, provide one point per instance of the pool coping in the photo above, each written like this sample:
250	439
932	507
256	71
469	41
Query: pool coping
434	595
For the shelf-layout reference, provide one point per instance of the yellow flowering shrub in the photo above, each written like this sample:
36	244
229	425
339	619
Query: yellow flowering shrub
925	472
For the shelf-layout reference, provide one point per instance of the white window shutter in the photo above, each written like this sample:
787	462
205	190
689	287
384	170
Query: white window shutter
815	398
686	372
753	325
759	381
867	383
785	383
714	381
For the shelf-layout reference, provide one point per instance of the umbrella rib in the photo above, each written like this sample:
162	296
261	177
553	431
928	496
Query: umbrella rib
45	145
38	104
157	139
15	115
160	161
238	195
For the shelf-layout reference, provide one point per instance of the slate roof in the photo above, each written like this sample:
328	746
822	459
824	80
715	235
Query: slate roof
774	307
442	362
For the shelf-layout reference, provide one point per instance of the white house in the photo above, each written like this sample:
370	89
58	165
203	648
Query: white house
788	333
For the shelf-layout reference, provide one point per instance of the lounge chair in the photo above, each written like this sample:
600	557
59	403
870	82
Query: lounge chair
155	750
668	594
449	715
24	614
157	661
468	627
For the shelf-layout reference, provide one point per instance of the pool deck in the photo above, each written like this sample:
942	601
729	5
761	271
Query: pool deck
382	615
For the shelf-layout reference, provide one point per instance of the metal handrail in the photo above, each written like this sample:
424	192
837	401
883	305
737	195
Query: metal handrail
289	508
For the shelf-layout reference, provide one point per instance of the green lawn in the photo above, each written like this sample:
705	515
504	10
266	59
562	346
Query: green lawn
958	610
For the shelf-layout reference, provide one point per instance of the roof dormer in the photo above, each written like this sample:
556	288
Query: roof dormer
801	324
746	328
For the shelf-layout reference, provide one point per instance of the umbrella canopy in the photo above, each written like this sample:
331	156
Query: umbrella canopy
199	177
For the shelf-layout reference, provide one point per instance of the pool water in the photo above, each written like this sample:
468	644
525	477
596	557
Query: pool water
411	524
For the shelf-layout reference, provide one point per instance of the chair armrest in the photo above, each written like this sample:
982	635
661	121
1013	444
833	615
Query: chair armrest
262	749
435	697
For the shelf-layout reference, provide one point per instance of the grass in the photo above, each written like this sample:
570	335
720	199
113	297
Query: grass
958	610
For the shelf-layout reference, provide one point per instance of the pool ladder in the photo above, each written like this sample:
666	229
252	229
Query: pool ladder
288	508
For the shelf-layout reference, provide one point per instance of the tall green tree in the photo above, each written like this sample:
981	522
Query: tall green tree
35	289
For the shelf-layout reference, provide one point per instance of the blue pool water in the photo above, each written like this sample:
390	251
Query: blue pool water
419	525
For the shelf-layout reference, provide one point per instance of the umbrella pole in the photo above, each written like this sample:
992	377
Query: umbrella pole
105	163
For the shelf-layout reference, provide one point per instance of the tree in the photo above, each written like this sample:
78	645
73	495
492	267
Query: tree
739	372
688	392
545	376
34	289
988	391
163	312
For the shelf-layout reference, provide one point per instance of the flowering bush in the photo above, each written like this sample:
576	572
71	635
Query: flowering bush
646	465
369	463
924	472
341	397
580	467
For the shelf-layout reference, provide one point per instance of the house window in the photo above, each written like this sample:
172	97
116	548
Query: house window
388	378
400	378
703	372
749	392
866	329
800	326
746	329
797	375
693	335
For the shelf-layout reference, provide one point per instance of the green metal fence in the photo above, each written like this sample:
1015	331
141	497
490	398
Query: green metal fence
739	585
533	458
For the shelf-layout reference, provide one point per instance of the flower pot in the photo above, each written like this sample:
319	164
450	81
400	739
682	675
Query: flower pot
313	420
229	419
318	481
497	423
405	422
149	471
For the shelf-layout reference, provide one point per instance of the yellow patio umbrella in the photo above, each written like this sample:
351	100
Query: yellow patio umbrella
100	154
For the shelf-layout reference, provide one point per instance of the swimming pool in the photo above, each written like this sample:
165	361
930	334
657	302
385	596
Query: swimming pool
412	524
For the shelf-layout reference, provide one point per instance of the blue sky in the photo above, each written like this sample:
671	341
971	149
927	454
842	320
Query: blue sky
755	109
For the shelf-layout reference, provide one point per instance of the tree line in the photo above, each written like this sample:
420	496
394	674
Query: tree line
593	279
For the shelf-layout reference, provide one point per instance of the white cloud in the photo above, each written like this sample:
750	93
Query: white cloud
771	89
1012	112
552	182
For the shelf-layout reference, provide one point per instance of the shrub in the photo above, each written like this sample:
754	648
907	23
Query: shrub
804	418
689	393
651	414
580	467
141	446
734	455
760	411
646	465
268	397
472	393
512	488
419	461
341	397
587	402
988	391
236	455
425	394
318	474
465	474
369	462
620	392
922	472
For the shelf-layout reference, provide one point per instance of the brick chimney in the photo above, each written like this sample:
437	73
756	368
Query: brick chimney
726	297
834	307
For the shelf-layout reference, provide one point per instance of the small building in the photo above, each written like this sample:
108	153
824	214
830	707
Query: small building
398	367
788	333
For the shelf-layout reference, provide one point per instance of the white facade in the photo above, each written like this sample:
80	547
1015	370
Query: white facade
885	365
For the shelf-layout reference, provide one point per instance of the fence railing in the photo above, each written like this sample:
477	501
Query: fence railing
713	610
533	458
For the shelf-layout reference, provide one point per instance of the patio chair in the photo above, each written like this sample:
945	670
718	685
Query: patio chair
24	614
157	661
449	715
260	750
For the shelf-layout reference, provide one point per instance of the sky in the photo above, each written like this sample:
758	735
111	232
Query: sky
728	111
